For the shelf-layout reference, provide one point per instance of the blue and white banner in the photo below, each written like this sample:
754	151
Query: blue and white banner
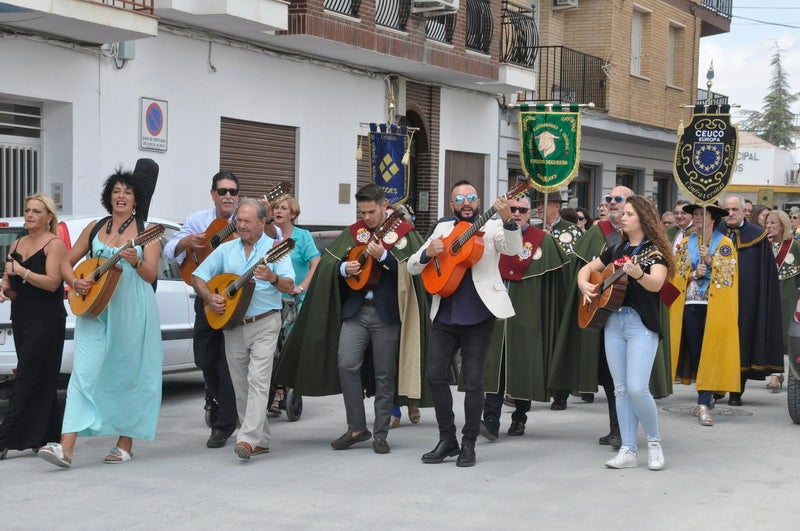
388	145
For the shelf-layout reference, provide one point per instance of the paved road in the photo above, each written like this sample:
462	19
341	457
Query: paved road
741	474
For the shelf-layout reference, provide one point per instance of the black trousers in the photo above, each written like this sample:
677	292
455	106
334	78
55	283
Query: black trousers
209	356
443	343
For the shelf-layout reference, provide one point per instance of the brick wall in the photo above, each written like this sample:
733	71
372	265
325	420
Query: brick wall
423	110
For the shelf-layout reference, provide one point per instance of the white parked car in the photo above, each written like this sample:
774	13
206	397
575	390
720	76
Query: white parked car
174	298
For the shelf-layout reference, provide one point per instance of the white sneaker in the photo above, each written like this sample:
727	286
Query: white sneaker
625	458
704	417
655	456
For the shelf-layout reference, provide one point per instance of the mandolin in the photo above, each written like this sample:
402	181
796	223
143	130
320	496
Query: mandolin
611	287
105	276
463	247
370	273
221	230
238	290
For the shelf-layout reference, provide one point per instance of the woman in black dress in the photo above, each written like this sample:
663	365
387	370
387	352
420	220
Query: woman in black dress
32	282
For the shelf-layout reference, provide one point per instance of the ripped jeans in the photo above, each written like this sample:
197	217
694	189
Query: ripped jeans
631	350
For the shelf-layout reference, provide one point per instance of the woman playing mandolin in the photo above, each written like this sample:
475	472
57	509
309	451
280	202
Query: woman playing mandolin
632	333
115	387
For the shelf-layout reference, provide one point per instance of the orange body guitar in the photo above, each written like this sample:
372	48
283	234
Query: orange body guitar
370	270
221	230
236	304
444	272
594	314
95	301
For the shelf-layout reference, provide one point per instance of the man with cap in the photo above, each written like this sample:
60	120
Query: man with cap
705	347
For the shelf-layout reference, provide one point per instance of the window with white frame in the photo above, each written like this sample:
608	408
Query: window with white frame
674	55
639	22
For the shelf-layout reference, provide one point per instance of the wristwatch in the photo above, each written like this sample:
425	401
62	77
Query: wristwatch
300	287
275	282
138	264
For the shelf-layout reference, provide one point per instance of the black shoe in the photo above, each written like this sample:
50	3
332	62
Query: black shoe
490	431
348	439
467	456
613	439
443	449
559	404
380	446
587	397
218	439
735	399
517	428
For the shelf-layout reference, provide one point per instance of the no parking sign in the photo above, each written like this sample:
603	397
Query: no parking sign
153	124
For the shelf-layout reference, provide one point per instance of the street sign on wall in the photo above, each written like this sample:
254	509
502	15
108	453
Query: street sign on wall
153	124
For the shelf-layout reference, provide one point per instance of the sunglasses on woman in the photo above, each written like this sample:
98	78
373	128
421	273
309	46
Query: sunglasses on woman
581	218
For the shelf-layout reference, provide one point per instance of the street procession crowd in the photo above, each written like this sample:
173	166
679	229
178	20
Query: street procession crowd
506	309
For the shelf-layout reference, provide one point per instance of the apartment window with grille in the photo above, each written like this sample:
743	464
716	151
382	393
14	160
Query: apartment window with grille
20	159
639	22
674	55
581	186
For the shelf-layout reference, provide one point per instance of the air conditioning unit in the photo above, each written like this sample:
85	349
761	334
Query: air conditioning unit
434	8
559	5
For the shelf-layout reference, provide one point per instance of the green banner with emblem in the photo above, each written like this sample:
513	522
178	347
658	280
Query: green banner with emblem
550	147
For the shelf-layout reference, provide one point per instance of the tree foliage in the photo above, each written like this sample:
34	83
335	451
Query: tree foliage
775	123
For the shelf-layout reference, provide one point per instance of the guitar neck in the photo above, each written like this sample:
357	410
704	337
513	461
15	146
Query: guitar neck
245	278
219	237
111	262
476	226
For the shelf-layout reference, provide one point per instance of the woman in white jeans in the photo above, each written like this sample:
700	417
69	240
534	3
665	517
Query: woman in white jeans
633	331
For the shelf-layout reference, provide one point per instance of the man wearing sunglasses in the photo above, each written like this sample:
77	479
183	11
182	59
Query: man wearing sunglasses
466	318
579	358
209	344
522	346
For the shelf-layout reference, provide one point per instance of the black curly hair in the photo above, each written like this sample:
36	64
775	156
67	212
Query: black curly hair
125	178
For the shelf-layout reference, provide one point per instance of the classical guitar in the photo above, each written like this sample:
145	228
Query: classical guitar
220	231
370	270
611	284
238	290
105	276
463	247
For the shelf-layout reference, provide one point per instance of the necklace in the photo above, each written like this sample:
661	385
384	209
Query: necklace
121	228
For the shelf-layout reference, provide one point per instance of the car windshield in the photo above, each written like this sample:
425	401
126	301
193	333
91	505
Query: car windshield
7	237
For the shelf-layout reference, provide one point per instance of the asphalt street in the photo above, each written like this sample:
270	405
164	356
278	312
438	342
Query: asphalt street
742	473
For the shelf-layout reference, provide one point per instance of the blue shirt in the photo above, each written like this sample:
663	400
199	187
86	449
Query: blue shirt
304	251
229	258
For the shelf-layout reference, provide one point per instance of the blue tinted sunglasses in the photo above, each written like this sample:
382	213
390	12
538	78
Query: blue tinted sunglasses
616	198
471	198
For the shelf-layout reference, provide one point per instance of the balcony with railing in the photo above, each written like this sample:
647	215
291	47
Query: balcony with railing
250	19
723	8
518	35
392	13
569	76
83	21
479	25
349	8
441	28
715	16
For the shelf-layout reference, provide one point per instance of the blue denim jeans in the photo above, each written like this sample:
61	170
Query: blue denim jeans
630	350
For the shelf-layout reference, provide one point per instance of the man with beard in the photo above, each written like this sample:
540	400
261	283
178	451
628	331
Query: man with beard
760	321
465	318
579	360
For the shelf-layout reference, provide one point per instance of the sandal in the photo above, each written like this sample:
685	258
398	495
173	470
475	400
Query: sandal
54	453
275	407
117	455
413	414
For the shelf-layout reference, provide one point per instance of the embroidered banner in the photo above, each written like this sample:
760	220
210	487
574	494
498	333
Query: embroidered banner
388	145
550	146
706	155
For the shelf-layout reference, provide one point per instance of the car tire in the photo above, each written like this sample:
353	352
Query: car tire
793	395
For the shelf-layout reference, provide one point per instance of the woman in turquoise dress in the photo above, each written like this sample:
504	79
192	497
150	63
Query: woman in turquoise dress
115	387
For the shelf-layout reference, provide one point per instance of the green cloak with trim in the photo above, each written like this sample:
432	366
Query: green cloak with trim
576	357
524	343
308	362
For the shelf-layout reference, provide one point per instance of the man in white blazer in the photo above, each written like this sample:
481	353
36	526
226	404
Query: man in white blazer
464	319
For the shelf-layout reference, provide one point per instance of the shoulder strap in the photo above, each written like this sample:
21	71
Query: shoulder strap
99	223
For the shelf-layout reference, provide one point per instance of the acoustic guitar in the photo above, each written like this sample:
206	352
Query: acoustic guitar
611	287
105	276
370	273
238	290
463	247
221	230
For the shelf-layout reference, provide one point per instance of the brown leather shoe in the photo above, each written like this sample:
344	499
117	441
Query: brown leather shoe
243	450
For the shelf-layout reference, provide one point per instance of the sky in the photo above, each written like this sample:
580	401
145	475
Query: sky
742	57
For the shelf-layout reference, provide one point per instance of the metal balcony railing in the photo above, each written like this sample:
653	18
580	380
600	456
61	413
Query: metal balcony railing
441	28
569	76
392	13
518	35
716	99
344	7
723	8
140	6
479	25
